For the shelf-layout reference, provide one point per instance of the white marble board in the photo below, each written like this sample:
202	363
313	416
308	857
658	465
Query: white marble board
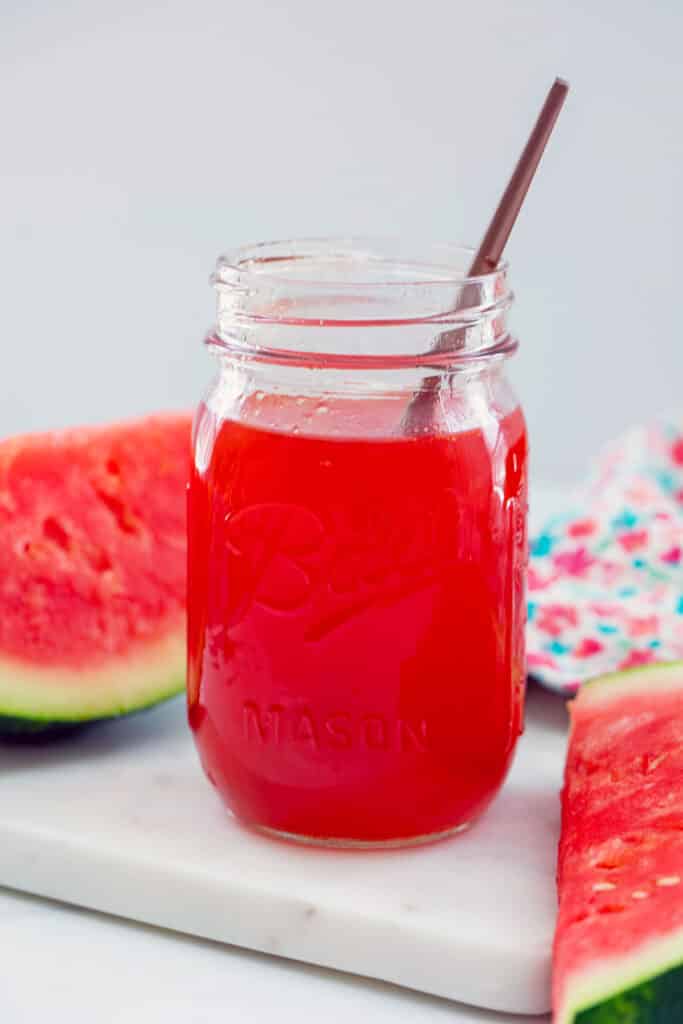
120	819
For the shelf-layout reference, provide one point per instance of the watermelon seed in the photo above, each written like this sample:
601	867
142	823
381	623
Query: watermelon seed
99	560
650	762
669	880
639	894
603	886
54	531
124	518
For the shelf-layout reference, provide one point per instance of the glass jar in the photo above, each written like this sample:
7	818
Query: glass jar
357	542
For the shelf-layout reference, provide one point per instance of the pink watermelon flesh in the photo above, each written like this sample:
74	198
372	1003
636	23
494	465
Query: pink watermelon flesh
619	942
92	569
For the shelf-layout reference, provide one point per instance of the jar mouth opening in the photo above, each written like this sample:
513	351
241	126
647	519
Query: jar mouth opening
353	263
411	304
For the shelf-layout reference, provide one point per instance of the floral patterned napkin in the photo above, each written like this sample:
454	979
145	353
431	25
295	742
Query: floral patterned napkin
606	579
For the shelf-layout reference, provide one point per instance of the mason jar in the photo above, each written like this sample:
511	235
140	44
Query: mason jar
357	542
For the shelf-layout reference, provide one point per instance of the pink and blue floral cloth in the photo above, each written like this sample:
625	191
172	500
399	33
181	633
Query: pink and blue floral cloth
606	580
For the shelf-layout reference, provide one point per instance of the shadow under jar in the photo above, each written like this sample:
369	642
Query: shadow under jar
357	542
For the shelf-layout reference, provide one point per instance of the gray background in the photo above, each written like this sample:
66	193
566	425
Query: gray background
140	139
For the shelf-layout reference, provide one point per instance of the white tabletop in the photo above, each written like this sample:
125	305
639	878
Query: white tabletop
72	966
79	967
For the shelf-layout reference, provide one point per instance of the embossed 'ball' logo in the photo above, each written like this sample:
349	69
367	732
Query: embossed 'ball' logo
284	559
277	544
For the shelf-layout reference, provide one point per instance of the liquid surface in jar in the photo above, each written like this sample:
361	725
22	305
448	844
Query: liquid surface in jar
356	617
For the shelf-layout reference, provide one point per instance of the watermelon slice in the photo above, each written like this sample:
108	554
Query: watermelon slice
92	571
619	943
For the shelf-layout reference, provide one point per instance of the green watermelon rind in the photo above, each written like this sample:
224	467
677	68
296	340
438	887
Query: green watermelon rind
26	727
645	987
36	699
664	677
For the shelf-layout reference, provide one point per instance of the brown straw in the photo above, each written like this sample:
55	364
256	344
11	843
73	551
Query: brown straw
503	220
419	414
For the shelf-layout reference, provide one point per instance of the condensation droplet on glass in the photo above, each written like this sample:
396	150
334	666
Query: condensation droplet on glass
321	409
259	396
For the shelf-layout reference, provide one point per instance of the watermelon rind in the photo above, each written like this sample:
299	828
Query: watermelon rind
664	677
645	986
36	698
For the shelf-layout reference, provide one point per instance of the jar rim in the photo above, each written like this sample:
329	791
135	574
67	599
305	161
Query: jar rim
248	261
294	301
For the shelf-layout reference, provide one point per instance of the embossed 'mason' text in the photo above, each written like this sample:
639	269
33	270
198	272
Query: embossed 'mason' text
277	725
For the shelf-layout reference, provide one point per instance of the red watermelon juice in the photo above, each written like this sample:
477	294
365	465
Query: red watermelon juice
356	612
